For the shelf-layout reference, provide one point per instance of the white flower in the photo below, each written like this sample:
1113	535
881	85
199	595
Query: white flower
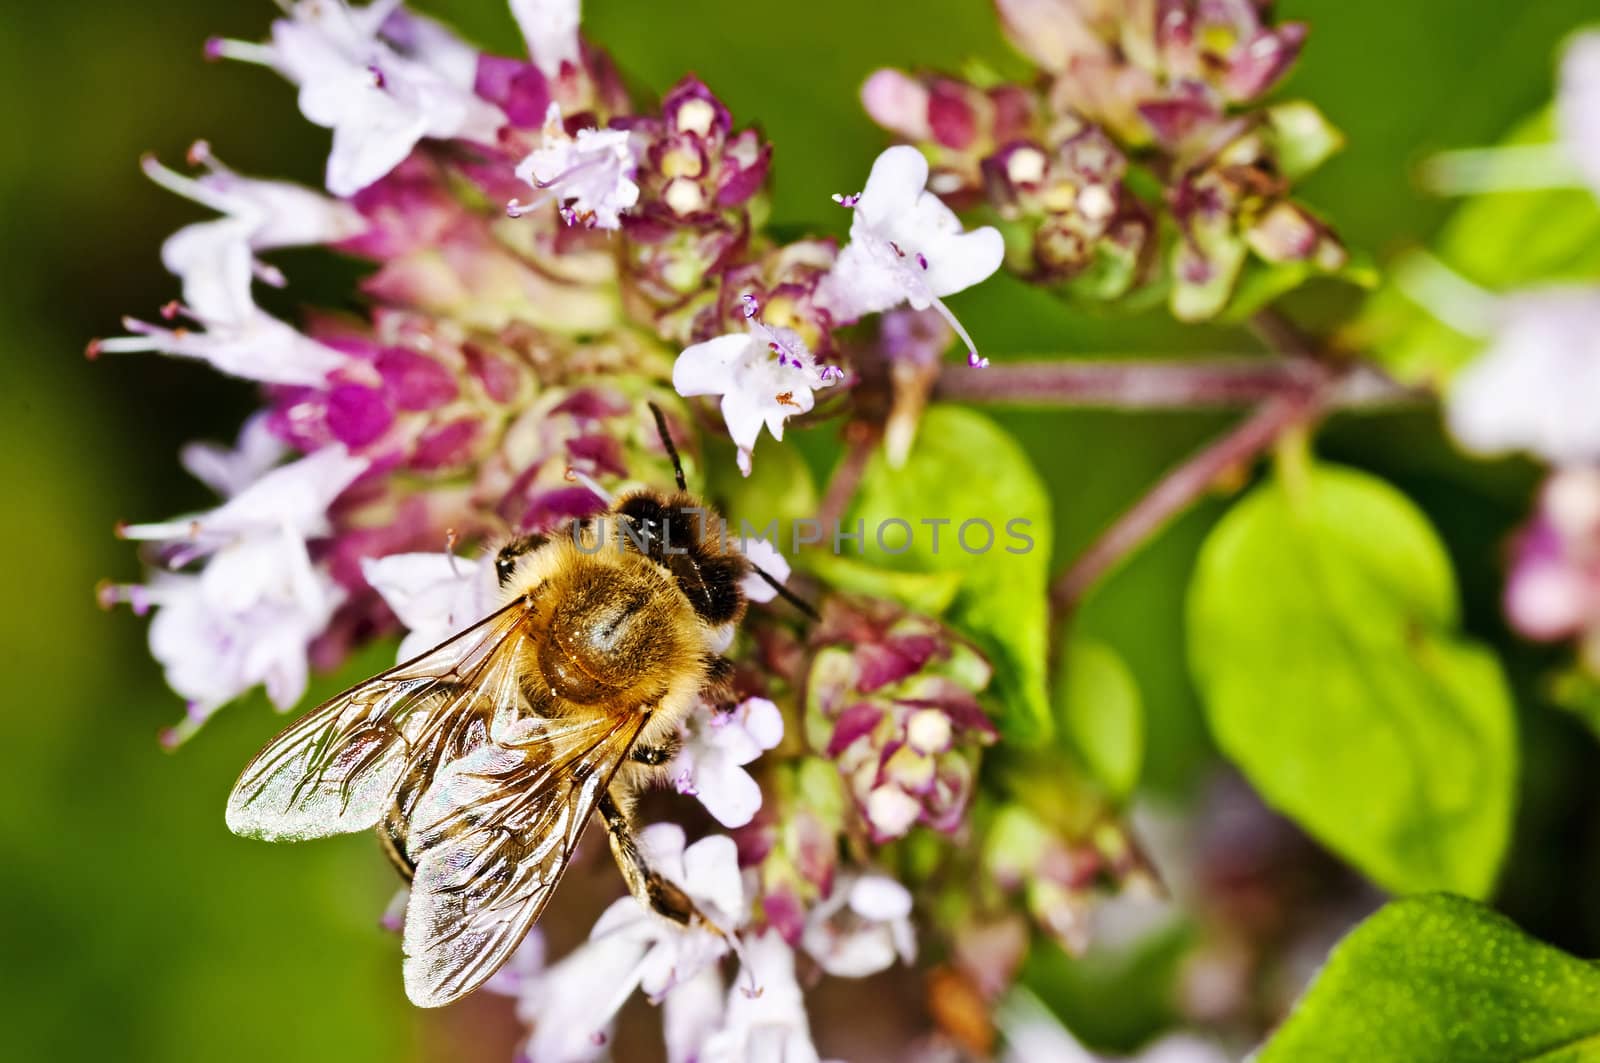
1578	104
435	595
551	30
251	344
1032	1033
246	619
710	765
762	555
765	376
590	175
229	471
572	1005
1537	385
690	1014
216	260
378	101
293	498
250	615
861	927
906	247
768	1026
258	216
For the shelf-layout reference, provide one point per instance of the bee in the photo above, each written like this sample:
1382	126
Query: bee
480	762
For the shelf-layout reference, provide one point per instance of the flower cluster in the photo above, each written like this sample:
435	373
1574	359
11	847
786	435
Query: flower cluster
1150	94
544	266
891	697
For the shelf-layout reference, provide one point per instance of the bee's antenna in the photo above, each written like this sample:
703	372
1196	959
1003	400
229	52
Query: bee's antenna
786	594
672	450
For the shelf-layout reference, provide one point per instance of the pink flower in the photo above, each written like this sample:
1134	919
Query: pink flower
250	615
1553	591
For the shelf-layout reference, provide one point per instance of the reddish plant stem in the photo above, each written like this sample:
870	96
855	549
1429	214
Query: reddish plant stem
1127	384
861	439
1178	490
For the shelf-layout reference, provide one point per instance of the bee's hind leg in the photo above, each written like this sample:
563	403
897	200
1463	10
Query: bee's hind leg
653	890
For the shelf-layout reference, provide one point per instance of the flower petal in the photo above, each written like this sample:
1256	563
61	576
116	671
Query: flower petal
707	368
897	179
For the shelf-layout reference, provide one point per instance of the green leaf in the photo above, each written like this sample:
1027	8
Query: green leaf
966	470
924	592
1099	710
1323	638
1442	980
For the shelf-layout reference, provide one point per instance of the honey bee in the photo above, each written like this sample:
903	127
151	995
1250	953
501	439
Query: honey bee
481	761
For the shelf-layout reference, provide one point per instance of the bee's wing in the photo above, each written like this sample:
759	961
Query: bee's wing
336	769
491	838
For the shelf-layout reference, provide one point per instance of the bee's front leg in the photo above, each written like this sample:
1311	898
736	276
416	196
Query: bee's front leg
653	890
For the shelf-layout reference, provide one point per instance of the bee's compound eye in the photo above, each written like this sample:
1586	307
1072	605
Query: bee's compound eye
505	562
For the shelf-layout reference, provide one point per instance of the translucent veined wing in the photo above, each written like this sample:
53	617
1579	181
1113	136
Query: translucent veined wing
337	768
491	838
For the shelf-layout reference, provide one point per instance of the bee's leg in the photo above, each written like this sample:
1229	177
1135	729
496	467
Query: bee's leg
718	690
652	889
505	560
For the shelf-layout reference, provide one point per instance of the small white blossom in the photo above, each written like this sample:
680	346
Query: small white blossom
248	617
765	376
435	595
378	101
1536	386
228	471
258	215
1578	104
765	1026
762	555
1032	1033
907	247
710	765
216	261
690	1014
551	30
254	345
590	175
572	1005
862	927
292	498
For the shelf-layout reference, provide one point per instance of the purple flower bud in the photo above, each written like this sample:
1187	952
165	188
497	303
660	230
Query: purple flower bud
891	700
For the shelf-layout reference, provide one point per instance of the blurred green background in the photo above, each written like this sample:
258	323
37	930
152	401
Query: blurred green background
134	926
